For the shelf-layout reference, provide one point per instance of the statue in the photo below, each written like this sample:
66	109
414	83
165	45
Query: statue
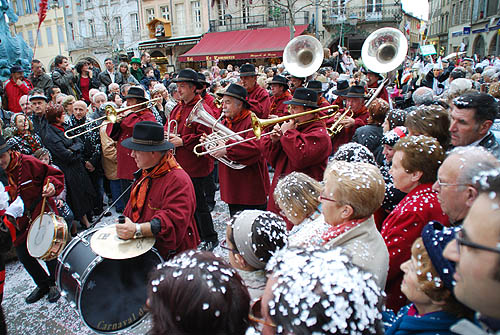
13	49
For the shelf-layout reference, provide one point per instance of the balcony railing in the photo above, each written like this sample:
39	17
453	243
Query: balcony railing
256	21
363	14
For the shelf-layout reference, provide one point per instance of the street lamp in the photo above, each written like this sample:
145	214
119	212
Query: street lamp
55	6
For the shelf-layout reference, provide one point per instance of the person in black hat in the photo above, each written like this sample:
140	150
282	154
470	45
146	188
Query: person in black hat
258	97
244	188
207	98
295	147
162	201
355	101
341	93
373	79
185	138
296	82
317	86
15	88
122	129
279	88
31	180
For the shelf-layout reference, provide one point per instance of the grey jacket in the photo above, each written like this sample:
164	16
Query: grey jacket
43	82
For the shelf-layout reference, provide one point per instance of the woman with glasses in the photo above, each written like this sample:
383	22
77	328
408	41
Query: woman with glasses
197	293
414	168
428	285
352	193
252	236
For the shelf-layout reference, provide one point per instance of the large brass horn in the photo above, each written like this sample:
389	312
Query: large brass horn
110	113
303	56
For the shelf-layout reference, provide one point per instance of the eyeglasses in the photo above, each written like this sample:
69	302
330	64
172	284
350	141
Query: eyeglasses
462	239
256	317
322	197
224	246
441	184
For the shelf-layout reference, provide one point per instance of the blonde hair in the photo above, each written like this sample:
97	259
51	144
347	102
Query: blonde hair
297	195
359	185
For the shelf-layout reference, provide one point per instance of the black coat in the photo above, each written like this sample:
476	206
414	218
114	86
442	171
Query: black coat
369	136
67	154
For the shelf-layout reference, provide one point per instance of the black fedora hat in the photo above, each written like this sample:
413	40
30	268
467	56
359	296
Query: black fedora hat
137	93
4	146
203	79
188	76
356	91
315	85
304	97
247	70
236	91
147	136
377	74
280	80
342	88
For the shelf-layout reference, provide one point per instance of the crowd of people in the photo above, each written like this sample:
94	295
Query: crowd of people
367	216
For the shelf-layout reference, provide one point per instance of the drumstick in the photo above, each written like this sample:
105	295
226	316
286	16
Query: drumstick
43	202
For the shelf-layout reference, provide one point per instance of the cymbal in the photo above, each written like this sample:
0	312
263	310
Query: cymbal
106	243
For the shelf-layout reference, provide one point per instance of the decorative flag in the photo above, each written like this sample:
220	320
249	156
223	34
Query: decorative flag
407	28
42	12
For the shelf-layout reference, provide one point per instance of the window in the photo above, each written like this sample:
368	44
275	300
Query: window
374	6
134	20
92	28
31	41
60	34
48	31
106	25
150	14
180	18
118	24
196	12
221	13
82	28
28	6
245	11
165	12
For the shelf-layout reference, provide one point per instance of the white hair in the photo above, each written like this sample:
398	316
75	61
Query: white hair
94	98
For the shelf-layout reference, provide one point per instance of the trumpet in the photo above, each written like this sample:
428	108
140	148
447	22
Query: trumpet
336	127
111	114
173	124
257	126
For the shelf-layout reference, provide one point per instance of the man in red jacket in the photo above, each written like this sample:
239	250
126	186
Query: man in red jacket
122	129
279	87
294	147
15	88
258	98
162	201
245	188
28	179
186	138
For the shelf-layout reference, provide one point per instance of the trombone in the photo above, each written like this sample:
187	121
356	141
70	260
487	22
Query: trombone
173	124
257	126
111	114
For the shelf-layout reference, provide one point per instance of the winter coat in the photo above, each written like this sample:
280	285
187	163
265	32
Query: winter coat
369	136
43	82
65	80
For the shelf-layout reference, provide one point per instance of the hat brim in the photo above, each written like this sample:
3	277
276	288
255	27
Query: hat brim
248	74
341	92
234	96
129	144
278	82
133	96
39	97
293	102
362	96
187	80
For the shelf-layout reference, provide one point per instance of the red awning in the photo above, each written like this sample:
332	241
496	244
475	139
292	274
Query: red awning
241	44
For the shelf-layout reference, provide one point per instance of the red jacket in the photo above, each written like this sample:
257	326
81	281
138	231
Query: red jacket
383	94
277	104
401	228
14	92
303	150
120	131
31	177
171	199
195	166
346	134
248	186
210	102
260	102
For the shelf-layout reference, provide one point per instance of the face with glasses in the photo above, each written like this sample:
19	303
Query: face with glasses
476	252
455	198
334	211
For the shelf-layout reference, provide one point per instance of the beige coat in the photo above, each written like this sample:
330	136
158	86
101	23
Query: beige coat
109	162
367	249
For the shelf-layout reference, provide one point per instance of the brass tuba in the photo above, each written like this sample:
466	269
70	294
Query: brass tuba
219	131
303	56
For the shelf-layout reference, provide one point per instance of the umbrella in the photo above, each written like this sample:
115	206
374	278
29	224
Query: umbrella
453	55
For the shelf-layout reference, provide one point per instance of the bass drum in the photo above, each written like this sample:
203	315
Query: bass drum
110	295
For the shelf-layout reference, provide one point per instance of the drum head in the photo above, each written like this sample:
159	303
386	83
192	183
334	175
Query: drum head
114	294
41	235
106	243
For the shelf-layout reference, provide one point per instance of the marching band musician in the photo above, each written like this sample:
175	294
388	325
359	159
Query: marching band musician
316	86
372	83
258	98
187	137
28	178
279	88
355	101
296	82
246	188
162	201
207	98
122	130
304	148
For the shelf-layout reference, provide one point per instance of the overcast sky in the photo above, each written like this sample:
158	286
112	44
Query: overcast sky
419	8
